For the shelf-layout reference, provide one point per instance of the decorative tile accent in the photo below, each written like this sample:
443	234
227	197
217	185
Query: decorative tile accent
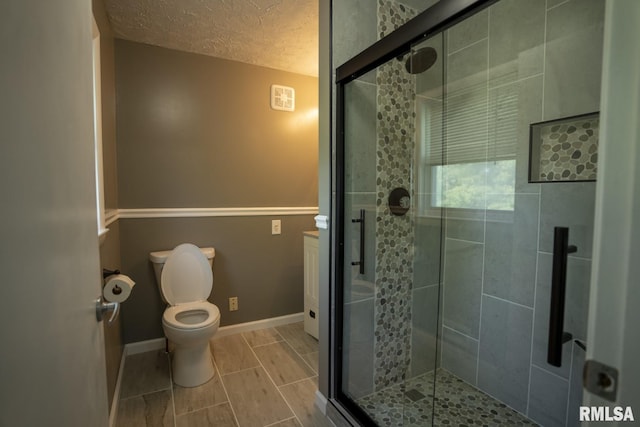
456	403
394	251
565	149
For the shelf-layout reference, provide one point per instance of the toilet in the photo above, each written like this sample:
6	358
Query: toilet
185	278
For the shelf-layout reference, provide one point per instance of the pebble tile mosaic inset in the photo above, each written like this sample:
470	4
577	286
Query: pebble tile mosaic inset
456	404
569	151
394	250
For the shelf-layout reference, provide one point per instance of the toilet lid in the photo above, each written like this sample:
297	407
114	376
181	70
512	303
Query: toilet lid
186	276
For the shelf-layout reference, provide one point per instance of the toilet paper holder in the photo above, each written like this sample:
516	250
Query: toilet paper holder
102	307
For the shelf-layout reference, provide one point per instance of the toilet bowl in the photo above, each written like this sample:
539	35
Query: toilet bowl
185	279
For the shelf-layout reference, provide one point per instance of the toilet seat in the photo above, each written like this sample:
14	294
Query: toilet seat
186	276
172	315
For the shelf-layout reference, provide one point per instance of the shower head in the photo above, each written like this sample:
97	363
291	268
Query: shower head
421	60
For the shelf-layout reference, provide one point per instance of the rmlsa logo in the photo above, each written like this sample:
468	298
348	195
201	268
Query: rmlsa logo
605	413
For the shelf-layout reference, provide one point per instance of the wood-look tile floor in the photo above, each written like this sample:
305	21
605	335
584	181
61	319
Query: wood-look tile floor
263	378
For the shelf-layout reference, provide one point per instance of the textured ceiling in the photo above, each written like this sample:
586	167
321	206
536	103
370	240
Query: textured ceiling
280	34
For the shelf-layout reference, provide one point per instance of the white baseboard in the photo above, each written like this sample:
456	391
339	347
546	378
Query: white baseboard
144	346
113	413
260	324
321	402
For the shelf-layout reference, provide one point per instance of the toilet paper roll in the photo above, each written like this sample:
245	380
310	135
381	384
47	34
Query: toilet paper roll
118	288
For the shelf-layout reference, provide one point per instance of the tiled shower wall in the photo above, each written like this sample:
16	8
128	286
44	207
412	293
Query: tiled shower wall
513	64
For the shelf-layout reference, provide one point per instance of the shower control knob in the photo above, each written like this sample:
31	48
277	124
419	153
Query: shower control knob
399	201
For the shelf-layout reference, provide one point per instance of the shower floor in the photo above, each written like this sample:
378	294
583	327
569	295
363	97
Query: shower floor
456	404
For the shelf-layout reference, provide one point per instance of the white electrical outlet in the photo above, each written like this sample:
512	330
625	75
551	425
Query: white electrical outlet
233	304
276	226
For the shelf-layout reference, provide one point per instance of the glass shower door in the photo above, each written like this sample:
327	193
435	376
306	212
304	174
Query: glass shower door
460	160
390	267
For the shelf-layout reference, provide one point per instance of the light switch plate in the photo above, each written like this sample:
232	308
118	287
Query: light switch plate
276	226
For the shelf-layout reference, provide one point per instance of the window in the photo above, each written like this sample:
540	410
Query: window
480	185
457	174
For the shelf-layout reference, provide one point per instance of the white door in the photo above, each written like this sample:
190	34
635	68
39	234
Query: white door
52	367
614	316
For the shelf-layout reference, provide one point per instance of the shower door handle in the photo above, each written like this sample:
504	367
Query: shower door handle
361	261
557	336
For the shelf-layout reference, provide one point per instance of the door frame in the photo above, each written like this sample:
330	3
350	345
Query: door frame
615	294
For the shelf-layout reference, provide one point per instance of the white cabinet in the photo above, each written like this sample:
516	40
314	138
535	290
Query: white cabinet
311	283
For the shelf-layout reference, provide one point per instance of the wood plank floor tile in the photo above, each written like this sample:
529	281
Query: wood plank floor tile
295	335
145	373
301	398
218	416
312	360
262	337
291	422
232	354
282	363
189	399
153	409
254	398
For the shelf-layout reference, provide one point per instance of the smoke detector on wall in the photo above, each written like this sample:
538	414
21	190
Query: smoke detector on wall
283	98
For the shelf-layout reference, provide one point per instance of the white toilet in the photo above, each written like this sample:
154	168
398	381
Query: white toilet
185	279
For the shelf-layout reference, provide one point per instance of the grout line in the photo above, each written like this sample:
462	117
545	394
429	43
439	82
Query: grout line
535	292
520	80
240	370
486	179
535	284
273	382
224	387
566	415
570	256
549	372
278	422
205	407
460	333
468	46
297	381
147	392
507	301
462	240
173	400
303	359
264	345
557	5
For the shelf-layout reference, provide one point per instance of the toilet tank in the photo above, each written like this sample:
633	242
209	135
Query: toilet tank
158	259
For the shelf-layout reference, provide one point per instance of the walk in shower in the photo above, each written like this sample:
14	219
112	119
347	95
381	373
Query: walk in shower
466	138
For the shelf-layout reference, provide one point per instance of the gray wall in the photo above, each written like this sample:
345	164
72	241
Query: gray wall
110	250
198	132
498	263
265	272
